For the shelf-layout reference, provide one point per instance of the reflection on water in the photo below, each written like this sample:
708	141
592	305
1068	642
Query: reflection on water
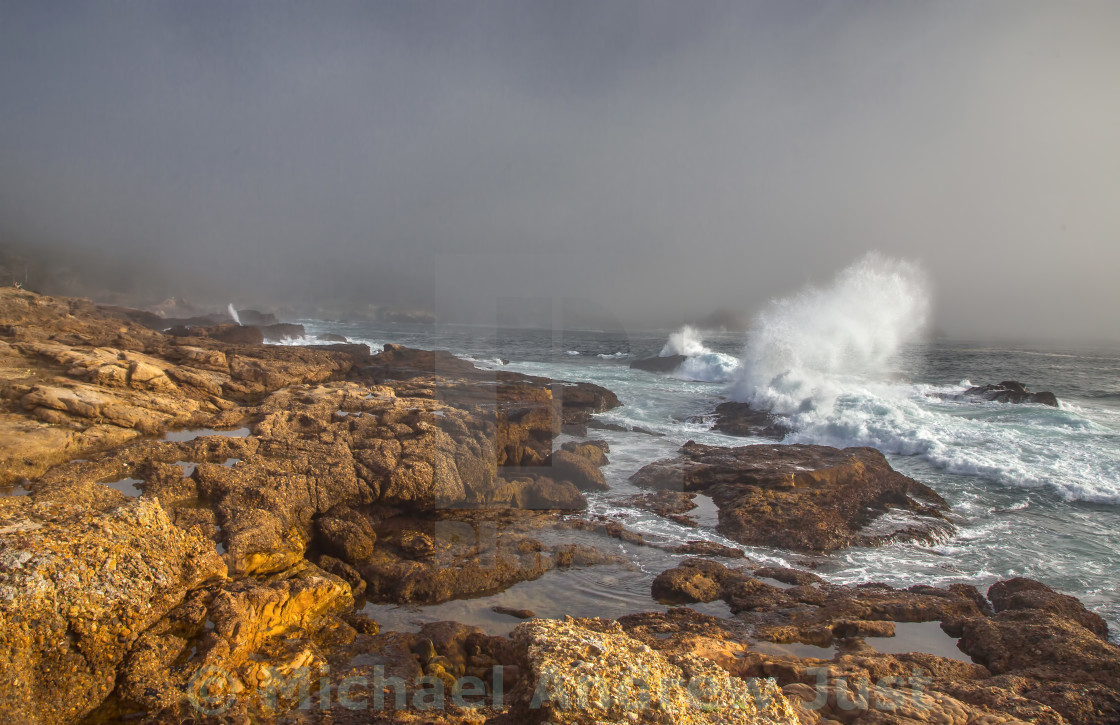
189	467
182	436
601	591
919	637
794	649
127	486
927	637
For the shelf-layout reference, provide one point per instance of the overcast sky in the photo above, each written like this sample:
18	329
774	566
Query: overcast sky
654	160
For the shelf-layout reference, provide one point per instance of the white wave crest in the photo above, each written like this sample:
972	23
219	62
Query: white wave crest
711	367
613	355
803	351
686	341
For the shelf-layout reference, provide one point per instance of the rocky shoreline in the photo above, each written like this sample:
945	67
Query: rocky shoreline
194	521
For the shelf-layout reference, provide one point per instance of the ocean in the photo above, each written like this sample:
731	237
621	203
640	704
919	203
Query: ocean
1034	490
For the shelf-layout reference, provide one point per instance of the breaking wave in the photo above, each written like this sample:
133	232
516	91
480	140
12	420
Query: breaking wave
701	363
803	352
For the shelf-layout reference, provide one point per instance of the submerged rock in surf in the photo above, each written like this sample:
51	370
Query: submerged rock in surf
1011	391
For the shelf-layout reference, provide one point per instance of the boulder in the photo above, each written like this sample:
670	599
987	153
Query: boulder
813	498
594	451
567	466
666	364
346	533
740	419
449	560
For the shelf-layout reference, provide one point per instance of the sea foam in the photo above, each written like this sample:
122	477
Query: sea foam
701	363
822	359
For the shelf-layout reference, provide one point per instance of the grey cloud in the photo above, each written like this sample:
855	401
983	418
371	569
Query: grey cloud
655	160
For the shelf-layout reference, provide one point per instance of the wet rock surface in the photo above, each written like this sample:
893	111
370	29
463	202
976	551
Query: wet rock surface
1011	391
1047	661
740	419
666	364
801	497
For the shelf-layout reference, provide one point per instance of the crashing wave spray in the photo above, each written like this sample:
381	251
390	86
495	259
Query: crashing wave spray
801	350
233	314
686	341
701	363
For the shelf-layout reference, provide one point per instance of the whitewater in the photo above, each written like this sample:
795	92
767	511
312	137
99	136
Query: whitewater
1034	490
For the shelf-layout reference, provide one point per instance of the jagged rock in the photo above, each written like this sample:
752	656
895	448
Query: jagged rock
802	497
77	587
1030	664
348	533
594	451
251	633
1020	593
591	671
527	411
568	466
534	491
461	559
699	580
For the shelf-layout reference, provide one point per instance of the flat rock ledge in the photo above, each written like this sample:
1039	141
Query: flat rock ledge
810	498
871	653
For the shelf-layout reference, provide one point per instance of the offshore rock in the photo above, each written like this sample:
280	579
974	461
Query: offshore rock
1011	391
285	331
666	364
812	498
